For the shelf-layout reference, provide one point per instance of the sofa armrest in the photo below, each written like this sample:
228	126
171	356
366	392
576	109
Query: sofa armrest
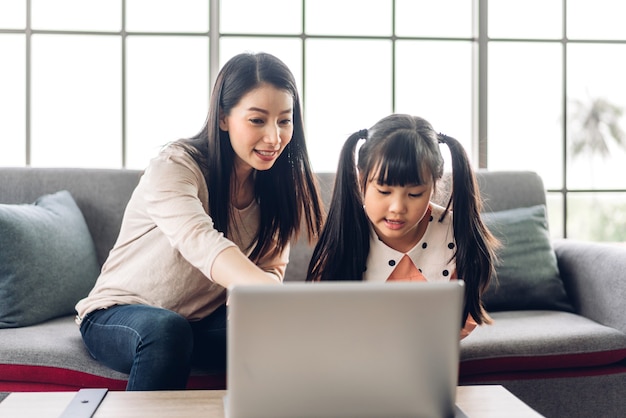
594	275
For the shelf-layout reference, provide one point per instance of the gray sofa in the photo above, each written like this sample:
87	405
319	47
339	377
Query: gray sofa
563	359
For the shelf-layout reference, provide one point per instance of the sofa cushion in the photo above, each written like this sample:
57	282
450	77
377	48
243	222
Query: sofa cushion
47	260
527	273
539	341
51	356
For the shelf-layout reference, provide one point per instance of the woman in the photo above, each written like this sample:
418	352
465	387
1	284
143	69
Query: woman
212	211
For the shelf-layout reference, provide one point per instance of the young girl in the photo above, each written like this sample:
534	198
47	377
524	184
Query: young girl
383	226
209	212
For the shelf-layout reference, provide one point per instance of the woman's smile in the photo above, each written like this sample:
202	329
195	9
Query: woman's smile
266	155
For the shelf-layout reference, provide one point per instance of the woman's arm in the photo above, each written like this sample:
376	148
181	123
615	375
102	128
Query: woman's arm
174	192
231	267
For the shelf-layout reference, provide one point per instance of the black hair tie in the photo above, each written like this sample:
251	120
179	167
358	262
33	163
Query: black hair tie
441	138
363	133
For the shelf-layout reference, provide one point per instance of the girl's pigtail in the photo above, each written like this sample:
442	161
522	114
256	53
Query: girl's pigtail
475	246
342	249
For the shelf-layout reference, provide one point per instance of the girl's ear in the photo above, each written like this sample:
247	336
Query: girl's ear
223	121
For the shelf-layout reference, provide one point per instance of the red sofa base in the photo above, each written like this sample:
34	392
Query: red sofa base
21	378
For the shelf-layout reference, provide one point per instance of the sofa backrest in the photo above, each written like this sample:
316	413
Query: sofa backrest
102	195
502	190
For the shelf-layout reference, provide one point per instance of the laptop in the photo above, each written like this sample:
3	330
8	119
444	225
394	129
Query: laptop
344	349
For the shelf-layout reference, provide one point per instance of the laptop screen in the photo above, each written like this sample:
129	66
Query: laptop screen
339	349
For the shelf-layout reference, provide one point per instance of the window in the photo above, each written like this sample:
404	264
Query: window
556	102
105	83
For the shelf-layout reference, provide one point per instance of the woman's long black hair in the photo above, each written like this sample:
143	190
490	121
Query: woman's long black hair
288	193
401	150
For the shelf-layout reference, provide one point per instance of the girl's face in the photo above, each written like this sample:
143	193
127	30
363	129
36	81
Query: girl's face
260	127
396	211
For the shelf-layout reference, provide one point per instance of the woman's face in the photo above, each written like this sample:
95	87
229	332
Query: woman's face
396	211
260	126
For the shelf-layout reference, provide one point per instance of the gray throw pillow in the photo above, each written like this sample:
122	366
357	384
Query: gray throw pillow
527	271
47	260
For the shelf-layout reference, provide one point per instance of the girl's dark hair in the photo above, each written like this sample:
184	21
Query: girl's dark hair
288	193
402	150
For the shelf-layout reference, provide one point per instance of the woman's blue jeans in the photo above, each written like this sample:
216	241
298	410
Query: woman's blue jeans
155	346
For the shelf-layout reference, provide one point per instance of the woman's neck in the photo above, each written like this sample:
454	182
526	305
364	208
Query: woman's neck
242	188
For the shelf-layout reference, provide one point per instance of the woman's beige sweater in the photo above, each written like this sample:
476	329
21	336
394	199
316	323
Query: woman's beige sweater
167	244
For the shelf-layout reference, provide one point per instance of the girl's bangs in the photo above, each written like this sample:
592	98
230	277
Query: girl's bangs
396	167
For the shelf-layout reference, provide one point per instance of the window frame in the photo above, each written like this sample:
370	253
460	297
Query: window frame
480	85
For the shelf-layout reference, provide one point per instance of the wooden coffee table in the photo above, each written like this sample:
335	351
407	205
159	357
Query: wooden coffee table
476	401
